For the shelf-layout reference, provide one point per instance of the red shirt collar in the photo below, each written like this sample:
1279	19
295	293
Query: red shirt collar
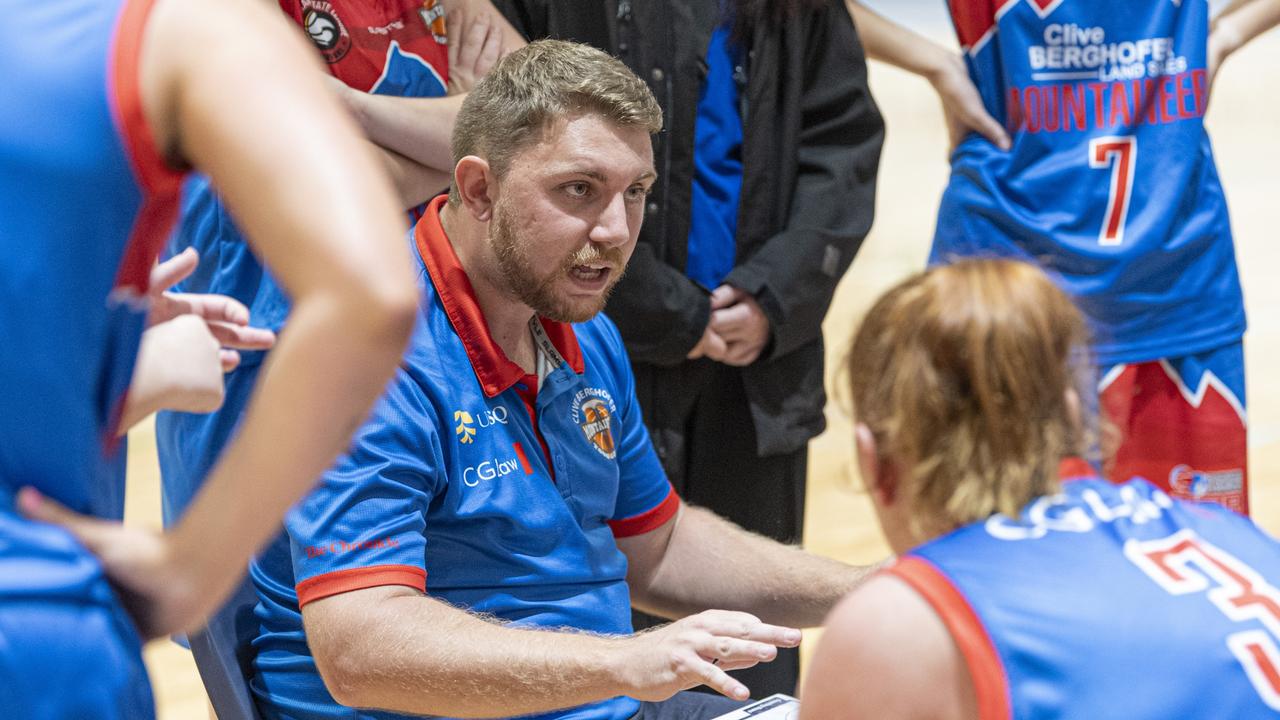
493	368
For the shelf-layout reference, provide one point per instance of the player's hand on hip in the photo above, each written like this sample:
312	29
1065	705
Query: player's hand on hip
962	105
159	593
699	650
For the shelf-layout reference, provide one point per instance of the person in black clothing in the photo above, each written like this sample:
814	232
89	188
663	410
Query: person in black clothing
766	187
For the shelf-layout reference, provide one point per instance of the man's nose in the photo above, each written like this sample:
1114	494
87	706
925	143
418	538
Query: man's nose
612	226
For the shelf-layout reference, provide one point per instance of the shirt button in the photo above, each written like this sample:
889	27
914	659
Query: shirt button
652	208
657	75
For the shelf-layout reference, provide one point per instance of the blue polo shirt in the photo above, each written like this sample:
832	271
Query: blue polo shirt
473	484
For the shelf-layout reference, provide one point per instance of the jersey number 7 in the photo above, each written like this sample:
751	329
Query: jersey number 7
1121	154
1184	563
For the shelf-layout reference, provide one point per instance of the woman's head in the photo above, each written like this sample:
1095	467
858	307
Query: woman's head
964	383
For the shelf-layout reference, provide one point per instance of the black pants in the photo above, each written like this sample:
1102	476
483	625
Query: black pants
698	416
688	706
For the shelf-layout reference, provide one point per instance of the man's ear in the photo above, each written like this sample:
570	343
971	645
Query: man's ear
878	475
474	181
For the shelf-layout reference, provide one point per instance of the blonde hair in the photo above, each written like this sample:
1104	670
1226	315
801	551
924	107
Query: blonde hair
528	90
963	374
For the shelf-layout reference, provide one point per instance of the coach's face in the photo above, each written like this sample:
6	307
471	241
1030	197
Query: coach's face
568	212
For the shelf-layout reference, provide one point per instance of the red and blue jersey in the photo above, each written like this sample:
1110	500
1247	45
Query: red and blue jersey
1110	601
476	484
85	203
393	47
1110	184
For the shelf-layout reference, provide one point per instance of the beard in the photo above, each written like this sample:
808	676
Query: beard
510	247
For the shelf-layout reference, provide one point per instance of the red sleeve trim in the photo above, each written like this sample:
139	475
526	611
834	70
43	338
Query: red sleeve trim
341	581
650	520
990	684
160	183
1075	468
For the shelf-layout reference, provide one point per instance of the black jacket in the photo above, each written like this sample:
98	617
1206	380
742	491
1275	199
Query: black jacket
811	148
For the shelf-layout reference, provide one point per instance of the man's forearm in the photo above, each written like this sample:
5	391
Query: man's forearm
417	128
417	655
710	562
414	182
391	648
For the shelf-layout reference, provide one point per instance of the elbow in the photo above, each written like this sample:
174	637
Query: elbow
381	310
345	675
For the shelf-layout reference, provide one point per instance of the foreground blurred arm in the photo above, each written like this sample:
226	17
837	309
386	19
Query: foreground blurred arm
255	116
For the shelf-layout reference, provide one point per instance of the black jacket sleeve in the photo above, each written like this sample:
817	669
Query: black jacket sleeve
794	273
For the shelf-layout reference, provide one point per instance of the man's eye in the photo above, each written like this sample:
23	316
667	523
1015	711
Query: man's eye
578	189
636	192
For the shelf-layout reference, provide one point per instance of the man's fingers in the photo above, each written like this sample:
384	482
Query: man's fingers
730	323
723	297
491	51
720	681
715	346
733	651
242	337
474	42
172	271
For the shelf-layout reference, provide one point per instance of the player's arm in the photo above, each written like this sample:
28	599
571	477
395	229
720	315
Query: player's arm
886	654
254	115
1238	24
418	129
699	560
889	42
394	649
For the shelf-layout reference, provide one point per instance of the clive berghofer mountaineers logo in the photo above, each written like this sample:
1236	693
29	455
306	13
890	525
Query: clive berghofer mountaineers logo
593	411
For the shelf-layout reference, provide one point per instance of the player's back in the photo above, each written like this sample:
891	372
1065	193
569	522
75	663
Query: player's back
1110	183
1112	602
84	202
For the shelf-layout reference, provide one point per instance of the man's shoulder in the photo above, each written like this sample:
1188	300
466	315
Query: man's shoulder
601	343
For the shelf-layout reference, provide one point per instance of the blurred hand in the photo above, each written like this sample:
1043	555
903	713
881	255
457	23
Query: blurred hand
1223	40
711	346
737	318
962	105
159	593
473	51
698	650
226	318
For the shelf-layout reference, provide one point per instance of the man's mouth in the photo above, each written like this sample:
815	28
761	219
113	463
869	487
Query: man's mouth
590	272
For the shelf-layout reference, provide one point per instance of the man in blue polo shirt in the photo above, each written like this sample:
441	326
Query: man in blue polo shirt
478	549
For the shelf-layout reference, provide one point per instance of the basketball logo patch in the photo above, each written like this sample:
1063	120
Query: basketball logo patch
325	30
593	411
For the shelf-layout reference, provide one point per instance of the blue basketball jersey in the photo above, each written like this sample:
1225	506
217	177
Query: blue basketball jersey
85	203
1110	184
1110	601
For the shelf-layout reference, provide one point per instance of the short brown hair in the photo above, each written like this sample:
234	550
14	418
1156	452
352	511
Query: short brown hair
962	374
544	81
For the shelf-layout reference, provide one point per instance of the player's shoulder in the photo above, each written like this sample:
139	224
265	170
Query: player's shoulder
849	676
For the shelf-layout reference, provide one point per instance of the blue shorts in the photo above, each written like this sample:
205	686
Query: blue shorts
67	648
